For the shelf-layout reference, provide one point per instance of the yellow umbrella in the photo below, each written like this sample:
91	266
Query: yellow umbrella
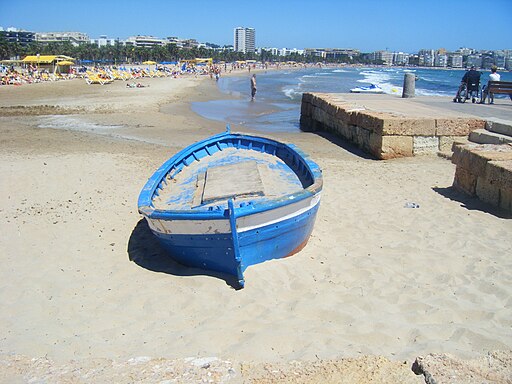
65	62
149	62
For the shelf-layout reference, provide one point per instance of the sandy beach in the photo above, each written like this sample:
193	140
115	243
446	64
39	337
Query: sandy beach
85	288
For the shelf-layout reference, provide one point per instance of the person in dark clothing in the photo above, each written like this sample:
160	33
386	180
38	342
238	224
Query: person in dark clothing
472	80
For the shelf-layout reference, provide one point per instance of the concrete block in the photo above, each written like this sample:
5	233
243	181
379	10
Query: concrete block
362	137
372	121
425	145
465	181
319	115
343	115
457	126
346	131
305	109
487	192
500	173
506	199
483	136
375	142
331	109
446	142
503	127
408	127
396	146
307	97
475	157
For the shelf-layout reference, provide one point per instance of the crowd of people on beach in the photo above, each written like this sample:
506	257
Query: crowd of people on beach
29	74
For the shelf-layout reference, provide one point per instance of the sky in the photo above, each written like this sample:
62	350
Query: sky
367	25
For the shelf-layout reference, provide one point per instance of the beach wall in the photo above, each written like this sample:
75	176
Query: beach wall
384	135
485	171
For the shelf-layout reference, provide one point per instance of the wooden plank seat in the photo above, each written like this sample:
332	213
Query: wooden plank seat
229	181
502	87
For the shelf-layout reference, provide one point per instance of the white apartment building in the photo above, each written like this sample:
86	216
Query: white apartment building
245	40
144	41
104	41
455	61
75	38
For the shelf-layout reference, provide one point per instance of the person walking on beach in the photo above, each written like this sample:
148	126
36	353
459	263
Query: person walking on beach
492	77
253	87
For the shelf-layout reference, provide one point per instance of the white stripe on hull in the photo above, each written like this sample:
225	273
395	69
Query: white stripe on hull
246	223
276	215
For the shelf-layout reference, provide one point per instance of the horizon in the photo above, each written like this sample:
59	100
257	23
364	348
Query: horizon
368	26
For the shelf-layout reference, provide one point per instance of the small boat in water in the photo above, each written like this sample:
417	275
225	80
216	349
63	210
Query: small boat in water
372	88
232	201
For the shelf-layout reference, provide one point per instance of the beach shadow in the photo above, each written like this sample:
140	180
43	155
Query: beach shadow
471	203
145	251
340	142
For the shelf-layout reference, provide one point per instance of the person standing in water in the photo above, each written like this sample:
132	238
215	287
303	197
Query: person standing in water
253	87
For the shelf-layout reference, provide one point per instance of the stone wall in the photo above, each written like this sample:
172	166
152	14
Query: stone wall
485	171
384	135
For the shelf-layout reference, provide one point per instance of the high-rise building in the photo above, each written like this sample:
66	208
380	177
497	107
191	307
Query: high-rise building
245	40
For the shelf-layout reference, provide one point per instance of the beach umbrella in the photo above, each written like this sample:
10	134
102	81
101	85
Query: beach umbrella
149	62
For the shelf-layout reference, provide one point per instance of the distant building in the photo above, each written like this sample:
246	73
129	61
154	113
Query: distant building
174	40
474	60
287	51
190	43
384	56
400	58
75	38
426	57
104	41
465	51
315	52
455	60
499	58
272	51
14	35
441	60
144	41
487	61
331	53
244	40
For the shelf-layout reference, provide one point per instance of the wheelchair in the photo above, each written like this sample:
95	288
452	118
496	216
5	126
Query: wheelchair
468	91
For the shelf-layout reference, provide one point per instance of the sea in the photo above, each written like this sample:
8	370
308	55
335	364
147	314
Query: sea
277	104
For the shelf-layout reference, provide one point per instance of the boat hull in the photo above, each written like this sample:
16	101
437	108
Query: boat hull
277	238
230	237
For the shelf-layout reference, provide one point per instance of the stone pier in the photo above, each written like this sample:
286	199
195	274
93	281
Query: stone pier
385	135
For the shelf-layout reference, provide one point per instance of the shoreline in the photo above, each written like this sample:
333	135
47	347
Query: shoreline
375	278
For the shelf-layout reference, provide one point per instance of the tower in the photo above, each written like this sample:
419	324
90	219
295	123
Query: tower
244	40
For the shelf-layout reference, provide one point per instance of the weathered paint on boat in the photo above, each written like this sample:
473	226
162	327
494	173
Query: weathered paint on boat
230	235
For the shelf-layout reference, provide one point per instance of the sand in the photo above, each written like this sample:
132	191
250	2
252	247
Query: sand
83	283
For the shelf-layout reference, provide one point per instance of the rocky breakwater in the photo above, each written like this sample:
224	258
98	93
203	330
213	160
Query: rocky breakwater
385	135
485	171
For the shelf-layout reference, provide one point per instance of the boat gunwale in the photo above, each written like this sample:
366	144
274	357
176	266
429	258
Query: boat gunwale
149	189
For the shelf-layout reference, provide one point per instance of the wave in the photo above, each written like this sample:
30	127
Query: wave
341	71
375	78
293	93
391	89
430	92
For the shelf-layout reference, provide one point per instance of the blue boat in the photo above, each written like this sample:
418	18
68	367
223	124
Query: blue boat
231	201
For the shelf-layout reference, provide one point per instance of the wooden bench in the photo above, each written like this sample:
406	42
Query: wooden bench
503	87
